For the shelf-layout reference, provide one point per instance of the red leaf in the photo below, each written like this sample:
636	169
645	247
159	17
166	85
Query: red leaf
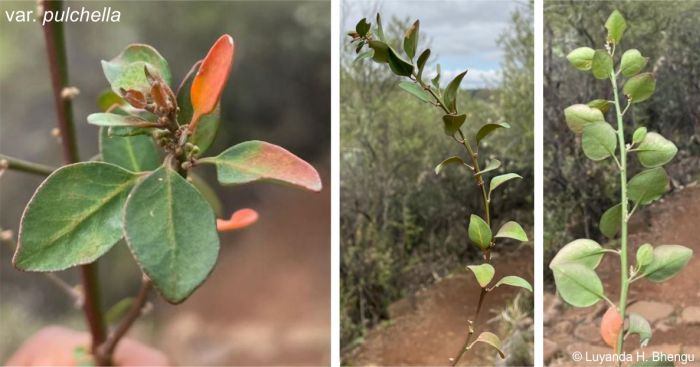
239	219
211	78
611	326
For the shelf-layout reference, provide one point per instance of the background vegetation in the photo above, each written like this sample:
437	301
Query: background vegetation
279	91
402	226
577	190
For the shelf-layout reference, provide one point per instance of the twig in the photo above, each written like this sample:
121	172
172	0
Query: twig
482	295
7	162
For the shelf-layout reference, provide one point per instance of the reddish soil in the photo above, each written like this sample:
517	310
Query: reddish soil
674	220
430	329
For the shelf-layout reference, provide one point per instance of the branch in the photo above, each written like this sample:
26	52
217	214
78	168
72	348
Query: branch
482	295
7	162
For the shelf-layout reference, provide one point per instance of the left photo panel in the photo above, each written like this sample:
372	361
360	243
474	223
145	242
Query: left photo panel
165	183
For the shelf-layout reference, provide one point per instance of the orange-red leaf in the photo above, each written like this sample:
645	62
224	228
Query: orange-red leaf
211	78
611	326
239	219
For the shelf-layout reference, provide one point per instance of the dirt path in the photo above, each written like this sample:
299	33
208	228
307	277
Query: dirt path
432	329
674	311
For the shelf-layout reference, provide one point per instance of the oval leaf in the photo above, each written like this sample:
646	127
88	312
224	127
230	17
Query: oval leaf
487	129
514	281
668	261
493	164
639	325
490	339
416	90
611	221
260	161
126	71
639	134
602	66
112	119
578	284
655	150
582	251
645	255
647	186
381	51
452	123
512	230
74	217
450	96
599	141
422	60
579	116
611	326
479	232
410	40
640	87
136	153
500	180
171	231
483	273
581	58
447	162
211	78
397	64
632	63
616	26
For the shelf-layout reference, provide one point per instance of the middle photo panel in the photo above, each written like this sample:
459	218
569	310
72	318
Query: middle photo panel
436	195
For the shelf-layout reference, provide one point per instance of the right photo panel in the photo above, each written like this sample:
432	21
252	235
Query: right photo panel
621	200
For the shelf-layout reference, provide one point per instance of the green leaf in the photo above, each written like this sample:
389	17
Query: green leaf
610	221
639	325
581	251
668	261
602	66
645	255
363	56
127	69
512	230
134	153
415	89
483	273
647	186
74	217
632	63
640	87
397	64
578	284
447	162
655	150
410	40
599	141
208	126
112	119
207	192
422	60
514	281
260	161
452	123
479	232
601	104
450	96
616	26
500	180
487	129
381	51
171	231
380	28
490	339
492	165
639	134
581	58
362	27
436	80
579	116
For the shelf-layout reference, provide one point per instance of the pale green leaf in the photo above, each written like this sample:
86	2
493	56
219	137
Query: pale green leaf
581	58
512	230
579	116
668	261
640	87
483	273
647	186
447	162
487	129
599	141
602	66
610	221
416	90
616	26
514	281
655	150
490	339
578	284
632	63
479	232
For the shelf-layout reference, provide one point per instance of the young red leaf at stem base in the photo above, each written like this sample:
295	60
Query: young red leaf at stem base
239	219
211	78
611	326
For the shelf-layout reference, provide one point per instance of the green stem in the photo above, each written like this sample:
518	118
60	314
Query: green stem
624	278
58	65
24	166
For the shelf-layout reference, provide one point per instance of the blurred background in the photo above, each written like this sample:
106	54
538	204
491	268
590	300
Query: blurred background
405	297
578	190
268	300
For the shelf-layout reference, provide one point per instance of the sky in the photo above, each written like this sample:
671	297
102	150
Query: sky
464	33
